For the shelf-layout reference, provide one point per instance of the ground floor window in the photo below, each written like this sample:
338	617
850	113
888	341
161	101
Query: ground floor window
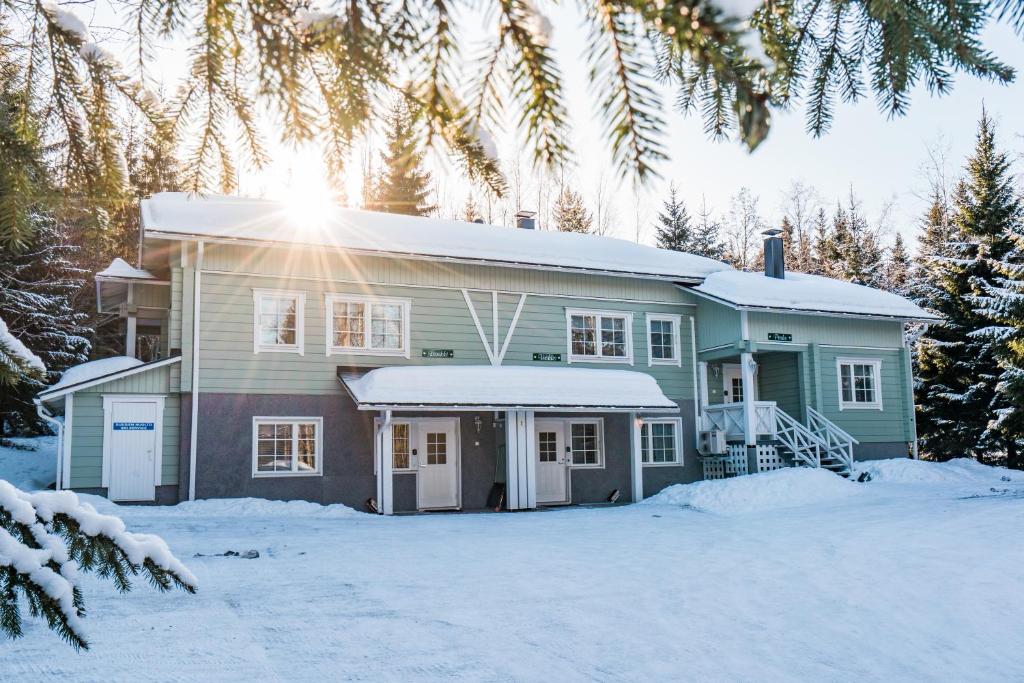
585	443
661	442
859	383
400	446
286	446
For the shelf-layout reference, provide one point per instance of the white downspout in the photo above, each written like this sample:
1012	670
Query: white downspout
46	415
194	422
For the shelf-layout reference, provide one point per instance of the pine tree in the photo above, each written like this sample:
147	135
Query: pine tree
402	185
470	211
959	406
675	231
851	251
18	365
705	240
570	213
49	539
819	245
897	267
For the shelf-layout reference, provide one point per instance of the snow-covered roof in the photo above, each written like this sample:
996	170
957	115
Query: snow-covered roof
122	270
178	214
800	292
485	387
98	372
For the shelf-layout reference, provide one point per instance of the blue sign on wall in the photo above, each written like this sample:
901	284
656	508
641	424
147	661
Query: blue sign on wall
134	426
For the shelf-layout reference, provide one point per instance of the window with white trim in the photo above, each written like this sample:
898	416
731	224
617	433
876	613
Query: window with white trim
278	320
367	325
663	344
859	383
401	446
286	446
586	443
598	336
661	441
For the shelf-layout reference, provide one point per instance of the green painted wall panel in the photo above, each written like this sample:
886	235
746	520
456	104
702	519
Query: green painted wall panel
827	329
888	424
778	379
716	324
155	381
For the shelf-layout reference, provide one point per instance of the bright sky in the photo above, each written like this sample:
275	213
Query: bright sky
880	159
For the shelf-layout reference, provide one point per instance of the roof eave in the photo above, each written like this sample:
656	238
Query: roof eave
110	376
808	311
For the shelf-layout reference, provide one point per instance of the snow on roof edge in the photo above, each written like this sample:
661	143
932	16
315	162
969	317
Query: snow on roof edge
98	371
122	270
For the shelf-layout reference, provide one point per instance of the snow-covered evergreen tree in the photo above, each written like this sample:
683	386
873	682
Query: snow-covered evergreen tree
958	370
470	210
897	267
402	185
18	365
674	230
570	213
49	539
851	251
705	240
819	244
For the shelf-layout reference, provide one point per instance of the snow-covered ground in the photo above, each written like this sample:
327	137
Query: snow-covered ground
790	575
30	469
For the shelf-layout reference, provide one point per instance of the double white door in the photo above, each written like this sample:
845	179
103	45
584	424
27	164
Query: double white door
552	462
437	458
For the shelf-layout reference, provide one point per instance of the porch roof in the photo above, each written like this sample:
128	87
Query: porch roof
485	387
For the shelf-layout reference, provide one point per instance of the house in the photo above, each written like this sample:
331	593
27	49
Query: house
409	363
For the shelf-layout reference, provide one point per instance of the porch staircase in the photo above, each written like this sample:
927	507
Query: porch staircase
821	443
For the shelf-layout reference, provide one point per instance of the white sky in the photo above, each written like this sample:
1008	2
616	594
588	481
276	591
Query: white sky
880	159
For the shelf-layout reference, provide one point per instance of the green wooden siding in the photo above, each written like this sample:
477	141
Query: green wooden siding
155	381
716	325
810	329
778	379
889	424
440	319
87	439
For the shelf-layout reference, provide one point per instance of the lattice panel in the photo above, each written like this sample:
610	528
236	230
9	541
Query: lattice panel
714	468
768	458
736	460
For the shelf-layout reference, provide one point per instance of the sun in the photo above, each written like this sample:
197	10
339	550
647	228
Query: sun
307	195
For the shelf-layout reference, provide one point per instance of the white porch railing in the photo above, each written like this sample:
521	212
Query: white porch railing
838	445
728	417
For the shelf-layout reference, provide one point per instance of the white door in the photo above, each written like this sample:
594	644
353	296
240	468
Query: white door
552	462
437	481
732	384
132	449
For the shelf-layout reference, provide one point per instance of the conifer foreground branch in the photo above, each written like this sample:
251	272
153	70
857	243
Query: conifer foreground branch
48	539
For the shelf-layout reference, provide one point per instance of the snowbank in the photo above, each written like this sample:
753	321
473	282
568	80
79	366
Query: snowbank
94	369
30	470
958	471
783	488
256	507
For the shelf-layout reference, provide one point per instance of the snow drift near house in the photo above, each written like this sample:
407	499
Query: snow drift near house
94	369
803	292
256	507
790	487
965	471
30	470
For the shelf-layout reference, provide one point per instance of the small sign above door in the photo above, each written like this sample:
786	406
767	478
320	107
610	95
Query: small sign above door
133	426
438	353
780	336
548	357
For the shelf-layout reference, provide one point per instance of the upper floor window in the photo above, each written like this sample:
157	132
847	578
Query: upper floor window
278	320
660	442
600	336
368	325
859	383
285	446
663	347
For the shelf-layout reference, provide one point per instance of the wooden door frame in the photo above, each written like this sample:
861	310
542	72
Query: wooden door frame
563	429
108	431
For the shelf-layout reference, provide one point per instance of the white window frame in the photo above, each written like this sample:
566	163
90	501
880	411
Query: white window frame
677	346
413	435
329	300
575	358
645	447
294	421
876	365
599	421
258	295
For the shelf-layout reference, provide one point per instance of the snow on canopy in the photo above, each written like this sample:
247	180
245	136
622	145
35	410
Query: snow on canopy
265	220
120	268
508	387
94	369
802	292
12	344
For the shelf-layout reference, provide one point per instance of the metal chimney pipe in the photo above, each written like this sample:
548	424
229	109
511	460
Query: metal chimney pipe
774	260
526	220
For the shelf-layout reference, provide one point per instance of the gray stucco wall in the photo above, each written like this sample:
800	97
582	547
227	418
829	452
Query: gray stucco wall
657	478
881	450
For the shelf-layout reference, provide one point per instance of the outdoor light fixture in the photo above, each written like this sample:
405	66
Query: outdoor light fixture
478	422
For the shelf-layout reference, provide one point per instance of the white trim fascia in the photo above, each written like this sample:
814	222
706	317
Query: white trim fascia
131	280
69	425
489	407
511	328
719	347
49	396
299	295
860	348
613	360
368	300
673	279
108	433
193	423
479	327
374	283
294	421
744	326
876	363
678	422
677	347
696	384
